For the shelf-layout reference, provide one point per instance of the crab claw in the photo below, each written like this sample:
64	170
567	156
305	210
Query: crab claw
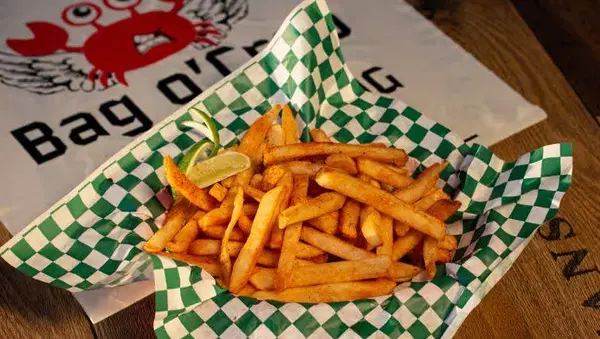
47	39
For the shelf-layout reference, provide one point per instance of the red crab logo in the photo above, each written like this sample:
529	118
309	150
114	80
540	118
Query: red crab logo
131	43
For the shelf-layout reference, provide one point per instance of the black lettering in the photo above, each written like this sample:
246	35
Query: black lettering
593	301
255	47
191	63
343	29
212	58
89	124
32	146
136	114
553	230
178	98
394	83
471	137
572	268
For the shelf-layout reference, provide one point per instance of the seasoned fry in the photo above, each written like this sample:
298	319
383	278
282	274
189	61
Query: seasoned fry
370	180
423	204
341	271
419	187
174	221
430	248
401	272
287	183
250	209
267	258
402	171
306	251
256	181
382	201
327	223
228	182
263	278
252	192
186	235
271	177
218	216
370	220
387	235
275	136
342	162
443	256
290	127
382	172
224	258
330	292
333	245
313	208
317	135
245	223
228	201
185	187
247	291
218	231
255	137
243	178
400	228
448	243
209	264
349	217
303	262
274	173
261	228
310	149
218	192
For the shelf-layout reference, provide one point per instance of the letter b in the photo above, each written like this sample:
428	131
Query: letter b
35	144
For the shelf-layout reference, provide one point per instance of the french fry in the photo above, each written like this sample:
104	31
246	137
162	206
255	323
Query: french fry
443	256
228	201
218	192
400	228
267	258
271	177
263	278
422	185
370	220
287	183
310	149
243	178
430	248
341	271
313	208
275	136
261	228
349	217
306	251
247	291
224	258
174	221
317	135
333	245
401	272
245	223
448	243
250	209
218	231
402	171
320	259
382	172
303	262
342	162
186	235
228	182
330	292
291	236
256	181
274	173
370	180
255	137
185	187
444	209
382	201
327	223
290	127
253	193
423	204
218	216
209	264
387	235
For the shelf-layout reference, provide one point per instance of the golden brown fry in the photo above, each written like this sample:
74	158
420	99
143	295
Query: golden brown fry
174	221
313	208
228	182
218	231
243	178
218	192
387	235
224	258
423	204
209	264
448	243
443	209
261	228
330	292
402	171
247	291
271	177
253	193
430	248
327	223
287	183
310	149
218	216
382	201
255	137
275	136
306	251
341	271
185	187
349	217
370	180
333	245
382	172
245	223
256	181
342	162
263	278
186	235
320	259
422	185
267	258
401	272
443	256
303	262
250	209
400	228
228	201
290	127
273	173
370	220
317	135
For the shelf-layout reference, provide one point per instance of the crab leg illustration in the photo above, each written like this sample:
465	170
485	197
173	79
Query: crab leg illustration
177	5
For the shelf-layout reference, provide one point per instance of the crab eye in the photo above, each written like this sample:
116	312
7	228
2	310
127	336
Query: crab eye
121	4
81	14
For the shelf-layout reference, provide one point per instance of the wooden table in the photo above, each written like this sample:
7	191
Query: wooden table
553	290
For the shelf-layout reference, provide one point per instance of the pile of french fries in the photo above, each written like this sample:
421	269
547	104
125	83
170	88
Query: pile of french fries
309	222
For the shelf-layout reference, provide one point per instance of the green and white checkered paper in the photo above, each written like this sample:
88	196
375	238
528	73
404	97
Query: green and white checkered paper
93	237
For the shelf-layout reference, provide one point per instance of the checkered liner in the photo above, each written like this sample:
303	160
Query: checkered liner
93	237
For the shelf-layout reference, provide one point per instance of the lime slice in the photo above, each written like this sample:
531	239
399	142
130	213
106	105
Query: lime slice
200	151
217	168
207	127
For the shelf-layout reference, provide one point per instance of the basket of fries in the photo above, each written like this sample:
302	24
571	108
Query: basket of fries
328	212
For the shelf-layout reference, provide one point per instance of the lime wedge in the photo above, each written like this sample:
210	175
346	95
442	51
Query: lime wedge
207	127
200	151
217	168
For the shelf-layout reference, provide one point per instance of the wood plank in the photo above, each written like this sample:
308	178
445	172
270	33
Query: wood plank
133	322
33	309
